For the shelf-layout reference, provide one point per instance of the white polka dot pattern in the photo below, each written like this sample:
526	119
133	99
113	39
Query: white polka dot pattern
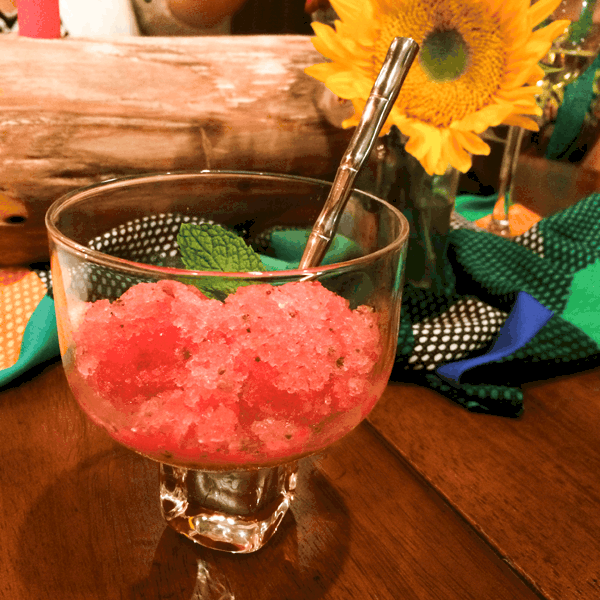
468	325
20	293
151	236
532	239
457	221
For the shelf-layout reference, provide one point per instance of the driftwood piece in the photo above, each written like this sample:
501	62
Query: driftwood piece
74	112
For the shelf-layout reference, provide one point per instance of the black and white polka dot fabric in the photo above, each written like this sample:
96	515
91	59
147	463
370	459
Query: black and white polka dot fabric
151	239
457	221
462	320
532	240
467	326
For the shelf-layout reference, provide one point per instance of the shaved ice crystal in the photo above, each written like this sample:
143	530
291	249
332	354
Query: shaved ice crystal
255	375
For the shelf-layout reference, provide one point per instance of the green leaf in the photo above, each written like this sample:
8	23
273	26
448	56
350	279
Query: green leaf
549	70
207	247
580	29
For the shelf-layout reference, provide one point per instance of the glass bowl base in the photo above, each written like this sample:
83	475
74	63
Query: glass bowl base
233	511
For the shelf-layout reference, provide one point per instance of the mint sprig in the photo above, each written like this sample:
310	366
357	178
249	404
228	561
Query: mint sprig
208	247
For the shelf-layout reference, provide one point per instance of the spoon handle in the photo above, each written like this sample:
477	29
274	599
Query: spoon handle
384	93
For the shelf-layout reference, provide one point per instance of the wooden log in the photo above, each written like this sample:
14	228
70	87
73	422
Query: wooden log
74	112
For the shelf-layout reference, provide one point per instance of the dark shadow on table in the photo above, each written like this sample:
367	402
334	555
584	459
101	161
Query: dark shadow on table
93	531
30	374
97	532
302	560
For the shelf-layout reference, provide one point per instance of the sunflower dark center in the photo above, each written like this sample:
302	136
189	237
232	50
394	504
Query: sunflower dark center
444	55
462	61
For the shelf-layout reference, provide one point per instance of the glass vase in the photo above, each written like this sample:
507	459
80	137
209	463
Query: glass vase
427	201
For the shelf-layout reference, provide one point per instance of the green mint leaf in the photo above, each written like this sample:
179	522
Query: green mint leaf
207	247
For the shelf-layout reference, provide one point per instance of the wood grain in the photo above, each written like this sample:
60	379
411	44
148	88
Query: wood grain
80	520
74	112
547	187
530	486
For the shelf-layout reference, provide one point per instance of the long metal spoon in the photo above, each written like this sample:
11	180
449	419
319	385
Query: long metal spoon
398	61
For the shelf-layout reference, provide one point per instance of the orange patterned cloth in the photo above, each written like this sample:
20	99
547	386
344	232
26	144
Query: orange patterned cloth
21	290
520	218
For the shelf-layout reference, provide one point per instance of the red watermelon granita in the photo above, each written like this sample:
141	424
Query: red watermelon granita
270	374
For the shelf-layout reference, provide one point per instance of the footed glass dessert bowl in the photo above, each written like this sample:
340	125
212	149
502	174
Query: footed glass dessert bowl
188	333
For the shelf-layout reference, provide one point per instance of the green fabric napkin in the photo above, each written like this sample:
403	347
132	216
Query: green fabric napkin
39	344
557	262
473	207
36	339
284	247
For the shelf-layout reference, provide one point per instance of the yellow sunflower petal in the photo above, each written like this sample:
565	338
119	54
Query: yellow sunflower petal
550	32
361	35
332	45
494	7
418	142
425	144
322	71
519	77
347	86
514	27
527	92
541	40
322	30
537	74
479	121
512	11
523	122
348	10
385	129
542	9
325	44
471	143
533	78
454	153
526	108
353	121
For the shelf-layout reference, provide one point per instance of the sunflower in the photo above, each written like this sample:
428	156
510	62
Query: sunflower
477	67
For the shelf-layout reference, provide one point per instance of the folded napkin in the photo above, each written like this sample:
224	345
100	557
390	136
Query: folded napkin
514	311
27	321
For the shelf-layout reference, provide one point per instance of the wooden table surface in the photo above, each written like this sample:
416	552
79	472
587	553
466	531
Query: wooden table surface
423	501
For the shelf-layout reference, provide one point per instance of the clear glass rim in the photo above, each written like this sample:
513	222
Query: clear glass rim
121	264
